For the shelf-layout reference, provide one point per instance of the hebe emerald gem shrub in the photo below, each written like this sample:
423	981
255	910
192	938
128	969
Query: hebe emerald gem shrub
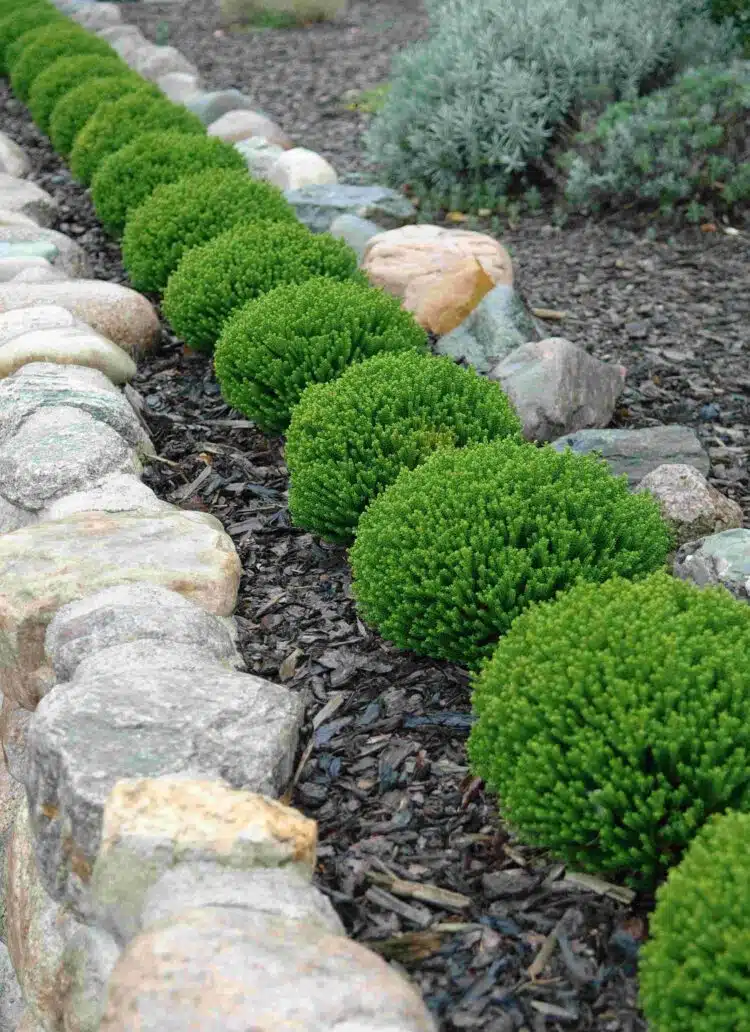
612	723
74	109
192	211
451	553
687	145
695	966
39	49
304	333
63	75
238	266
349	439
128	177
118	122
15	23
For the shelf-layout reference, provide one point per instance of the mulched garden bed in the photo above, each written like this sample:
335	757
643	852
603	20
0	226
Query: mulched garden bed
412	852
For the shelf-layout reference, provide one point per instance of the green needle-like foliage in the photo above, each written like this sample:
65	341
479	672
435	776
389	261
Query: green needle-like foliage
73	111
451	553
14	23
118	122
613	723
35	51
304	333
695	967
65	74
128	177
182	215
349	439
238	266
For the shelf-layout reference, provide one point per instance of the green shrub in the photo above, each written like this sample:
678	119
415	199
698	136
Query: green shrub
687	145
118	122
479	102
192	211
738	13
73	111
303	333
240	265
39	49
14	24
66	74
349	439
695	967
448	556
128	177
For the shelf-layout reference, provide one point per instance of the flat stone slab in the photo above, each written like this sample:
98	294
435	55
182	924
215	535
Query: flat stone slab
719	559
45	243
499	324
638	452
27	198
318	206
145	710
47	565
137	612
72	345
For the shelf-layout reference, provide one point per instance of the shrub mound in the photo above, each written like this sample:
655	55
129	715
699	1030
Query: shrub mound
65	74
304	333
695	967
349	439
613	722
449	555
15	23
179	216
687	145
72	111
117	122
240	265
35	51
128	177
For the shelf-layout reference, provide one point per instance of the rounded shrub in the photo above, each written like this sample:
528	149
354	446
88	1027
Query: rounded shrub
14	24
128	177
75	108
195	209
349	439
298	334
612	723
695	967
118	122
65	74
37	50
449	555
240	265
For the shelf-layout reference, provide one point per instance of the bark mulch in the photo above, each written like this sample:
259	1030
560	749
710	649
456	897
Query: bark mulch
412	851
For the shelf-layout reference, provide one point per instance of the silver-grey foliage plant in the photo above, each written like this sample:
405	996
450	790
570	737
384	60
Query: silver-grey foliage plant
479	100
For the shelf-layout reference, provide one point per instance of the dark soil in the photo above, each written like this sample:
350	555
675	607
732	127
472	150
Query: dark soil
383	766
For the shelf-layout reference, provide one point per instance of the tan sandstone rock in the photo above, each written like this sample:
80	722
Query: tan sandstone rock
47	565
456	294
73	345
242	124
300	167
693	508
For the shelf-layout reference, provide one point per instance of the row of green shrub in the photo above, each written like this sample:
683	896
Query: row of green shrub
610	697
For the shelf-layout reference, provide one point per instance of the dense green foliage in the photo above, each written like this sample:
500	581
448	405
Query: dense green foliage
695	968
478	103
66	74
192	211
127	178
14	23
37	50
73	111
349	439
449	555
117	122
738	13
613	722
240	265
304	333
686	145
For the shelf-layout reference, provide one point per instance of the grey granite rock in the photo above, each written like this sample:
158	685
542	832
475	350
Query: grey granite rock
13	159
719	559
13	517
117	492
14	728
317	206
46	243
12	1004
356	232
88	960
690	505
211	105
260	155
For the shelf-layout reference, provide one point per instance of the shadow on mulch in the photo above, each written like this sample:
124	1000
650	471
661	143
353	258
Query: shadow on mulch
412	851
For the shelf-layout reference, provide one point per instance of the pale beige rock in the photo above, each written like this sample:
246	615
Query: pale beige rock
72	345
118	492
234	126
179	86
152	824
456	294
116	312
11	267
28	199
47	565
690	505
238	12
13	159
70	257
300	167
409	261
39	274
15	218
152	62
40	317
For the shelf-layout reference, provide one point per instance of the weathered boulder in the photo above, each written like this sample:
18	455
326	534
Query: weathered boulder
60	250
180	87
260	155
21	321
210	106
317	206
241	124
453	297
13	159
690	505
118	492
300	167
355	231
73	345
11	268
152	61
12	1003
719	559
14	218
28	198
14	727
